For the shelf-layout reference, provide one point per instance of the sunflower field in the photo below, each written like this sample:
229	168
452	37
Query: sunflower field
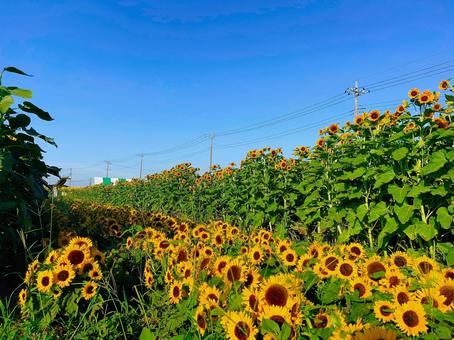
349	239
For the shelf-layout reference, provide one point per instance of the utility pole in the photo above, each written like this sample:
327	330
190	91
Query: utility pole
211	150
141	164
107	168
70	176
356	91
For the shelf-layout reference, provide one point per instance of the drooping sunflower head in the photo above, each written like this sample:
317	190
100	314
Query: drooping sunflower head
322	320
201	320
23	294
410	318
52	257
89	290
251	300
375	333
149	280
44	281
253	277
81	242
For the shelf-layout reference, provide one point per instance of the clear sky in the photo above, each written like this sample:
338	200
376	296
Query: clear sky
131	76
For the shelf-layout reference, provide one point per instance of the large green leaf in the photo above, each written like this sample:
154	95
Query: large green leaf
426	231
13	69
400	153
444	218
390	227
5	103
384	178
19	121
398	193
15	91
404	212
436	161
377	211
31	108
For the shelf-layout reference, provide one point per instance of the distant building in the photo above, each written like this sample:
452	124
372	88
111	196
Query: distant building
109	180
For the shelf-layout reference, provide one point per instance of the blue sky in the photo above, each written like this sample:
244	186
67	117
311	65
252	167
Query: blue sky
131	76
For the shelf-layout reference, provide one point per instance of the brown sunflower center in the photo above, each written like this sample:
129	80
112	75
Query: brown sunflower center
204	263
360	288
276	295
76	257
87	267
187	273
448	292
373	268
201	321
346	269
394	281
331	263
355	250
410	318
385	310
400	261
234	273
221	266
182	256
45	281
253	303
176	291
402	298
278	319
89	289
290	257
242	330
63	275
218	239
425	267
256	255
321	321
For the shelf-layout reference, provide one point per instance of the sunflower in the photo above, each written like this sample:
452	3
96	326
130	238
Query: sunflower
392	280
330	262
81	242
446	289
89	290
95	273
200	319
276	313
256	255
375	333
320	143
52	257
321	271
444	85
322	320
448	273
289	257
432	297
56	292
437	107
401	295
209	294
375	269
410	318
86	266
129	242
358	120
384	310
283	245
346	270
441	123
239	325
400	259
425	265
374	115
425	97
235	271
362	286
63	275
413	93
31	269
250	300
76	254
303	263
176	292
220	265
356	251
44	281
333	129
149	280
275	291
253	278
23	294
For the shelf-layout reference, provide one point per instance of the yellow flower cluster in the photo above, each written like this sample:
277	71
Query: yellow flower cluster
266	274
